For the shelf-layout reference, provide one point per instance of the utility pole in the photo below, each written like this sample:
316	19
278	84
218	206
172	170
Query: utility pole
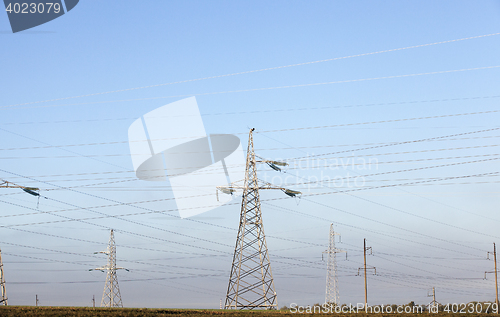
332	290
3	301
111	295
434	302
93	301
251	283
496	271
364	269
36	300
32	191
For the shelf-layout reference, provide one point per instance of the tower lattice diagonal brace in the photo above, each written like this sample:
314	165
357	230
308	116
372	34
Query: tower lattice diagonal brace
251	284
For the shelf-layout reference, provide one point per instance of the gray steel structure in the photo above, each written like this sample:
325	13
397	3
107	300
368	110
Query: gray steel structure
111	295
251	283
332	281
3	301
32	191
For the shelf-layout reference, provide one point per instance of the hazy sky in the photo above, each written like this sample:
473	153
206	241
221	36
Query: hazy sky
386	73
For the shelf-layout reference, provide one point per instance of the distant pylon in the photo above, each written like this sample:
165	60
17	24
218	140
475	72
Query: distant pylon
111	295
433	295
251	283
3	301
332	281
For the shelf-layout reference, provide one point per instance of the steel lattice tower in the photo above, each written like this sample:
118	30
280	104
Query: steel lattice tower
111	295
251	283
32	191
332	289
3	301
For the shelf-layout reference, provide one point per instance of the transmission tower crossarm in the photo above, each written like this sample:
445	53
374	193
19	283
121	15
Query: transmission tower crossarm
30	190
108	268
255	183
231	188
263	160
7	184
254	187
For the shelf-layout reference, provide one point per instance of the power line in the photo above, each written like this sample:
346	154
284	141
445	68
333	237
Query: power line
415	215
425	182
128	232
196	237
475	98
403	142
61	147
235	165
259	70
288	86
369	230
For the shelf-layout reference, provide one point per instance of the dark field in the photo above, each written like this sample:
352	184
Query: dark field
9	311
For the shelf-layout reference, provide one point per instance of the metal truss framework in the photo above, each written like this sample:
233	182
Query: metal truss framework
251	283
32	191
3	301
111	295
332	290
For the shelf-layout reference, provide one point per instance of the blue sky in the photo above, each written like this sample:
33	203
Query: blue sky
422	207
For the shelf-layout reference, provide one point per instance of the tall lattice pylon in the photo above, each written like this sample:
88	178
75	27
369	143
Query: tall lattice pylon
251	283
332	281
32	191
3	301
111	295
